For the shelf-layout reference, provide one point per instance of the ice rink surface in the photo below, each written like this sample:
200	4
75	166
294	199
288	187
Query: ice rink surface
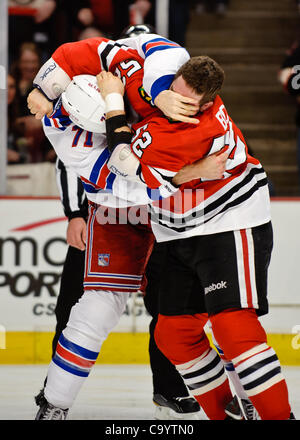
111	392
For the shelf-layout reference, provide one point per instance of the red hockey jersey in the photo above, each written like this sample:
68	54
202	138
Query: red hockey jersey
239	200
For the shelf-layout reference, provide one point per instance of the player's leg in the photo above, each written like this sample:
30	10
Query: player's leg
111	273
180	336
170	394
235	281
254	360
241	407
188	348
91	320
71	289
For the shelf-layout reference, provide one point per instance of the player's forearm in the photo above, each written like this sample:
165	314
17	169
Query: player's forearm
122	161
186	174
211	167
70	59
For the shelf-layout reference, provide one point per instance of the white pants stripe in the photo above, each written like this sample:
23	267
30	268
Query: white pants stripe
246	268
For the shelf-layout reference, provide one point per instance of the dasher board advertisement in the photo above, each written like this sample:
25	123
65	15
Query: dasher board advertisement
32	253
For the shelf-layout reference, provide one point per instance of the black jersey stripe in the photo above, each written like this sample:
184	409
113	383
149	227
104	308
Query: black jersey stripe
64	188
261	380
203	370
195	217
194	386
257	366
215	204
71	188
219	201
106	52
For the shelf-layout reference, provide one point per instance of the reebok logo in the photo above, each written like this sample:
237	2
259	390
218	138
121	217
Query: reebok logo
213	286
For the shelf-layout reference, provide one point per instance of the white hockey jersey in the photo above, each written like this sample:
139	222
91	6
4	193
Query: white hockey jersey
87	154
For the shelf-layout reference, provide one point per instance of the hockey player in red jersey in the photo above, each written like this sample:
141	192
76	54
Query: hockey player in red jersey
219	240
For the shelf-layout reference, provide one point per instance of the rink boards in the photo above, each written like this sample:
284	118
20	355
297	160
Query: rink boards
32	252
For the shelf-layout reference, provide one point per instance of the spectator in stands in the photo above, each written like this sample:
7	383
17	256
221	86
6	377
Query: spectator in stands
90	32
24	69
176	23
112	16
16	142
289	76
31	20
72	20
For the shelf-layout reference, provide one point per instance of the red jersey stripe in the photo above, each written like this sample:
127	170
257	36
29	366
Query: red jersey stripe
104	172
71	357
246	267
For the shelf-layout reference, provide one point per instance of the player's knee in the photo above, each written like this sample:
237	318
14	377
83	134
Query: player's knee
237	331
93	317
162	332
180	338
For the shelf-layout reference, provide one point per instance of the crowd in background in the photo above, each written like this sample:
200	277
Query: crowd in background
38	27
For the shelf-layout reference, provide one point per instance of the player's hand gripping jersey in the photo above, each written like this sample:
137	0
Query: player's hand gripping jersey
239	200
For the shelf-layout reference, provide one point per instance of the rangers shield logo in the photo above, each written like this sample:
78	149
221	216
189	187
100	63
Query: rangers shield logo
103	259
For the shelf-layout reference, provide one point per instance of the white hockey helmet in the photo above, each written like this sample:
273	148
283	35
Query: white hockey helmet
83	101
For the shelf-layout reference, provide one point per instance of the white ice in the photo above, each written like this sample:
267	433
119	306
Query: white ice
111	392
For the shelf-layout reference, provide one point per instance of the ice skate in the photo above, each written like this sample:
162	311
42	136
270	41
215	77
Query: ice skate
174	408
48	411
241	409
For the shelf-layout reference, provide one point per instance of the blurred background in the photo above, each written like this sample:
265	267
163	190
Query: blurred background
257	44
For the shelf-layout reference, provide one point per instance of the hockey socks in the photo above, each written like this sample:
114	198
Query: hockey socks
206	380
260	374
91	320
185	344
243	340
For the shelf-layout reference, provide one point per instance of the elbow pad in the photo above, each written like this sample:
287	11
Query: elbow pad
124	163
51	80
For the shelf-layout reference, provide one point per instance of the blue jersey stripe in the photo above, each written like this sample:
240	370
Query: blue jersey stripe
154	194
47	121
69	368
98	165
77	349
111	285
112	275
110	180
162	83
159	48
90	188
157	40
